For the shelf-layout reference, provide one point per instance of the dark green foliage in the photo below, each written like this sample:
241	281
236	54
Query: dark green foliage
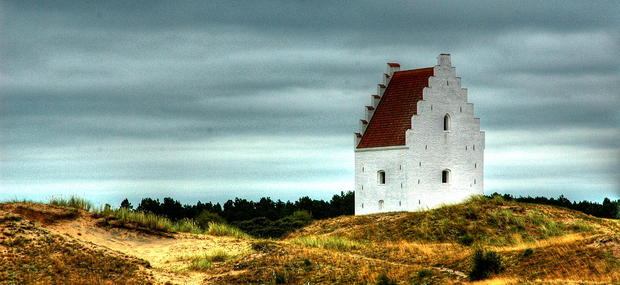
307	264
485	263
465	240
527	252
265	218
608	209
384	280
280	278
425	273
125	204
206	217
265	228
243	210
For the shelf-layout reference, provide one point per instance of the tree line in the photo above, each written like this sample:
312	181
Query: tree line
263	218
608	209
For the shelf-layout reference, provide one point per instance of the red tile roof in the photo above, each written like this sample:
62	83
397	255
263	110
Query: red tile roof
392	117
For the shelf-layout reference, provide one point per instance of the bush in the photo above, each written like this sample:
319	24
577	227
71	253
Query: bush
205	217
384	280
425	273
527	252
485	263
265	228
466	240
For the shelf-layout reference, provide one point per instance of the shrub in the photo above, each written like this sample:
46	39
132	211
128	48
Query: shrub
425	273
485	263
73	202
527	252
265	228
280	277
466	240
205	217
225	230
328	242
382	279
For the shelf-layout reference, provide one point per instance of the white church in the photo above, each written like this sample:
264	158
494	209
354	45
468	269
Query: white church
420	145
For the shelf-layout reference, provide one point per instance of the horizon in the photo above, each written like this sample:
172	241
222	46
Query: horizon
205	101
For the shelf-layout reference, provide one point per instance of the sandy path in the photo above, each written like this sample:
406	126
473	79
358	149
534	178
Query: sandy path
162	253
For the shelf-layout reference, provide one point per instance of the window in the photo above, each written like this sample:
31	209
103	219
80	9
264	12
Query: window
445	176
474	181
446	122
461	109
380	204
475	165
381	177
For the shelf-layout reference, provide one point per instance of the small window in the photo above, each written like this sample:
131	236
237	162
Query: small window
399	204
465	147
446	122
380	204
445	176
362	169
381	177
431	107
473	147
474	181
475	165
420	163
362	205
461	109
426	147
418	181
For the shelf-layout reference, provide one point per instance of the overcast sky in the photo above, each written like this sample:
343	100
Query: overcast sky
209	100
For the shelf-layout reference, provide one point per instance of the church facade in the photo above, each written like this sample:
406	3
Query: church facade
420	145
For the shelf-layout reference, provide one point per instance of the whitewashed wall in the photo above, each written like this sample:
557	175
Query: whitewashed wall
413	171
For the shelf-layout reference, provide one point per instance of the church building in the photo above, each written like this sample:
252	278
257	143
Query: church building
420	145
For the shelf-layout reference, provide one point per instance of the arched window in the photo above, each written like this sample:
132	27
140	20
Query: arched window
445	176
446	122
381	177
380	204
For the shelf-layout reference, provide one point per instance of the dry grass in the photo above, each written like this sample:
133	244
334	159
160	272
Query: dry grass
328	242
30	255
537	244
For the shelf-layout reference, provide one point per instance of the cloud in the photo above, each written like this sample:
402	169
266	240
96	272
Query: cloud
140	92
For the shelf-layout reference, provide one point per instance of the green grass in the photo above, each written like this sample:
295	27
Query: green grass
328	242
141	219
205	260
220	229
159	223
73	202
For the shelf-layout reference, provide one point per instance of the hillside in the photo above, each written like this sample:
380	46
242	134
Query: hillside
536	244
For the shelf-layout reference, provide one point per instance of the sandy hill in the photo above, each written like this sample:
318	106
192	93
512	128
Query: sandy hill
537	244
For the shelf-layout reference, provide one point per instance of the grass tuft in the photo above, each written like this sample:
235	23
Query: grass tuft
73	202
220	229
328	242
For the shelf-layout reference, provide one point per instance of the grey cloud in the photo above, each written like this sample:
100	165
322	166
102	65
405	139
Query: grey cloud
74	73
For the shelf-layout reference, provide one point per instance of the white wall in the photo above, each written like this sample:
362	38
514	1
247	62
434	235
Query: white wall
461	150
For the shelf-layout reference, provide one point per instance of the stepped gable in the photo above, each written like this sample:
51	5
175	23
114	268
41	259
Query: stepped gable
392	116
